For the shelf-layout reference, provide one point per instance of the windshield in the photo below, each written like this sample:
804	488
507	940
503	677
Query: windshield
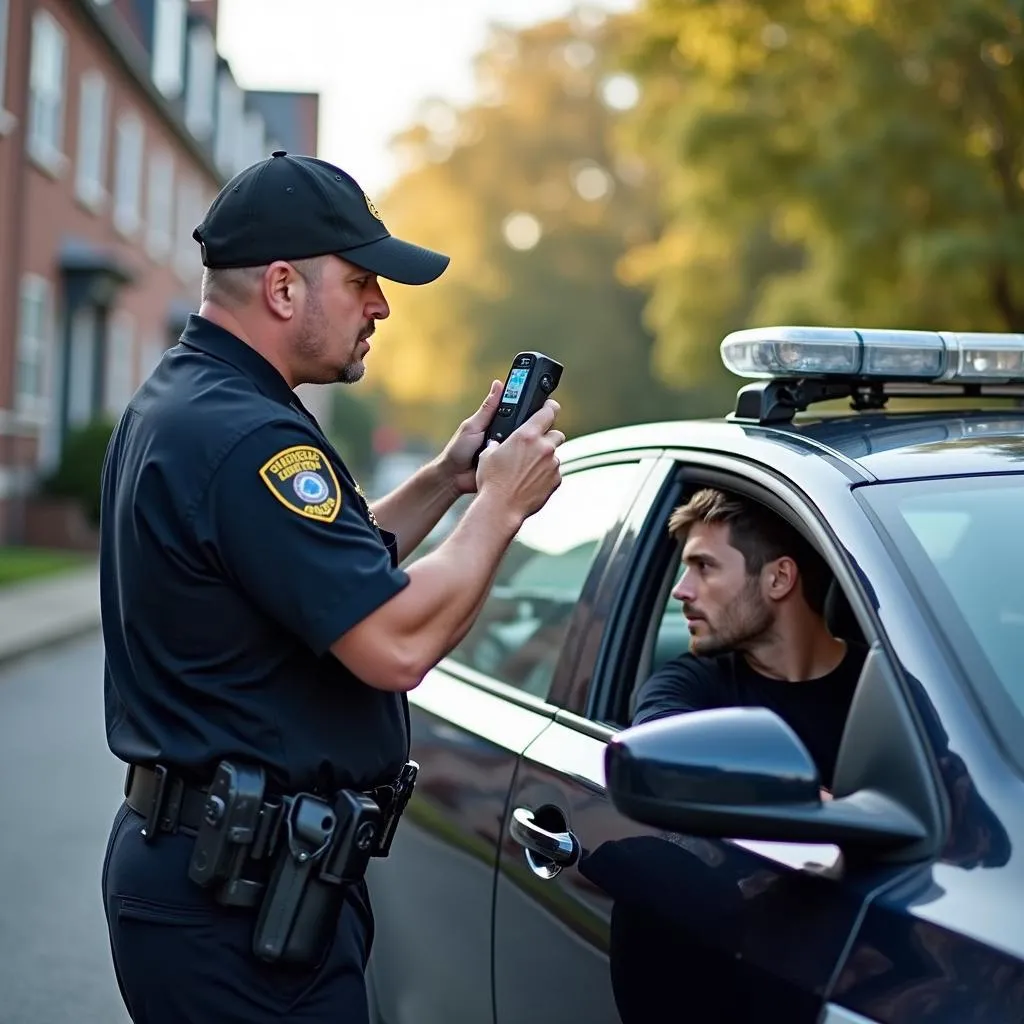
960	541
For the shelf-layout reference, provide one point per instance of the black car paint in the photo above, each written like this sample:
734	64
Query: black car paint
785	931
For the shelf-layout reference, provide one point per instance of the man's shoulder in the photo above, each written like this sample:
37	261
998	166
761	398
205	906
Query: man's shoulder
699	666
689	682
206	420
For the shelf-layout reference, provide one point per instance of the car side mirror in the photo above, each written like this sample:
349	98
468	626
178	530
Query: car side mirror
742	773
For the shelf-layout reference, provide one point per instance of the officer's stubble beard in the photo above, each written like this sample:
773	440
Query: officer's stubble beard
314	343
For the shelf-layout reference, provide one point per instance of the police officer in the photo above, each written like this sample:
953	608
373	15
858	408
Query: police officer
260	636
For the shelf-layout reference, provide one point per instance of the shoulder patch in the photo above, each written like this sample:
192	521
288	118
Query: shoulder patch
303	480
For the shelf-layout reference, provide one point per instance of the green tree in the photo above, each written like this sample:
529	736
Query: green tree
830	161
528	192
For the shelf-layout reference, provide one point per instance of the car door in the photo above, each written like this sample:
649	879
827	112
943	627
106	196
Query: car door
470	720
600	919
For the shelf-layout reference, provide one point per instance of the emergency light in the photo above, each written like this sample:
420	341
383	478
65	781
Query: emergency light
871	354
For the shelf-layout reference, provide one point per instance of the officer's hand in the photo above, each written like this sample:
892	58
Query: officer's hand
523	470
456	461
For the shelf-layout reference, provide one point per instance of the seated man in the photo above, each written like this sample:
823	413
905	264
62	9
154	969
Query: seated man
753	592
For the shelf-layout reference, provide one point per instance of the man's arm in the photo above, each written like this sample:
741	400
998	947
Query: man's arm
684	684
396	645
415	507
318	567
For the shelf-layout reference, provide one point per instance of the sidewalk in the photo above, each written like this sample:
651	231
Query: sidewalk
47	610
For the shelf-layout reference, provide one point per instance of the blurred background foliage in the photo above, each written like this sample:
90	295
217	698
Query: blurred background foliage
626	190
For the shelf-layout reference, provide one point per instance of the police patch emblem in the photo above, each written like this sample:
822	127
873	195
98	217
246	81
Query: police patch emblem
303	480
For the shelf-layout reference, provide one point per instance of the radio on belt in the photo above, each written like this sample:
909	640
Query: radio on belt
531	380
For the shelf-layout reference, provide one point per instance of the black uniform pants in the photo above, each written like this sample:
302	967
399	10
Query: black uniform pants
181	958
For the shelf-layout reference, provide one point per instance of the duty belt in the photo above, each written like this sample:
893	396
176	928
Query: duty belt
166	802
169	804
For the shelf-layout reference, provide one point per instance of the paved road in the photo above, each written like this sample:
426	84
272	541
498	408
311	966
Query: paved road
59	789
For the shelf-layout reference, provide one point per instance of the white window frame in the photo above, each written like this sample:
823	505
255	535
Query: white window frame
160	204
33	346
201	83
119	363
91	160
129	151
168	46
47	93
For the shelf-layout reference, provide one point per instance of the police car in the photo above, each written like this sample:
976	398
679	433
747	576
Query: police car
557	864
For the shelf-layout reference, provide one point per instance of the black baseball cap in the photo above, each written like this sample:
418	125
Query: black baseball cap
297	207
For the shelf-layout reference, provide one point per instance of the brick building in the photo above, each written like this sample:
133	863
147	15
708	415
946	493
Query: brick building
119	121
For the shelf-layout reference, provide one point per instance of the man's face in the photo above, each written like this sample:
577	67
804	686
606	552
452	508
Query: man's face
339	315
723	605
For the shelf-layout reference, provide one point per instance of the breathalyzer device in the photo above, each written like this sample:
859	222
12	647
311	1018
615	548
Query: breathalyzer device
531	380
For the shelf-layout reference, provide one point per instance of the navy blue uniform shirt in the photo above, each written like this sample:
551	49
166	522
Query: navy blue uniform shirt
235	549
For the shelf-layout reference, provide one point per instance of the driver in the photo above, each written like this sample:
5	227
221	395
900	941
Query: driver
753	593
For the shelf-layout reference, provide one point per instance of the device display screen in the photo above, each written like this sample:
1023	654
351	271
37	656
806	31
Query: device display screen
514	388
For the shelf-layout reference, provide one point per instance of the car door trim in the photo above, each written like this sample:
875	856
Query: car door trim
470	676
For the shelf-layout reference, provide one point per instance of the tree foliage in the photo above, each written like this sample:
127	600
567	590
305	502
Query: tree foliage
830	161
529	193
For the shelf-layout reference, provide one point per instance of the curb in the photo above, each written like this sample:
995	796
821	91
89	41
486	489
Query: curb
56	635
48	612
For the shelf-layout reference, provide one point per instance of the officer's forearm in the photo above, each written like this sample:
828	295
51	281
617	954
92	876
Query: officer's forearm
415	507
395	646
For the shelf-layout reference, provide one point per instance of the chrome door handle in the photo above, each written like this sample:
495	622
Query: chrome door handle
561	848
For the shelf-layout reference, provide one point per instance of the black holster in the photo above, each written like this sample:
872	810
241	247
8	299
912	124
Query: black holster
312	849
324	850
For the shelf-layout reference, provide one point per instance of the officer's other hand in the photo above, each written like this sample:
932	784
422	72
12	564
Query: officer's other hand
456	461
523	470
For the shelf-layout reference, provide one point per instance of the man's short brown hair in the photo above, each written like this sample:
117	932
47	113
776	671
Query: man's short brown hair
759	535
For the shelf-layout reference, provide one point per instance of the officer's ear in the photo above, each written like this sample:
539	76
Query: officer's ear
281	289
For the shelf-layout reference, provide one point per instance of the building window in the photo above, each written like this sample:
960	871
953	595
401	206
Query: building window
202	82
47	89
187	263
168	46
82	369
160	205
149	358
4	16
91	169
119	382
34	326
255	139
227	145
128	181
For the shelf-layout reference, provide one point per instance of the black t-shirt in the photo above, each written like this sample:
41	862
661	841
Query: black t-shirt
816	709
235	549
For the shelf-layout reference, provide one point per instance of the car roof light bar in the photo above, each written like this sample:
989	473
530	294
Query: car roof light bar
873	355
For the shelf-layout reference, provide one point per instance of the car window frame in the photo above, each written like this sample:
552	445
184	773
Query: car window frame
646	460
780	494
